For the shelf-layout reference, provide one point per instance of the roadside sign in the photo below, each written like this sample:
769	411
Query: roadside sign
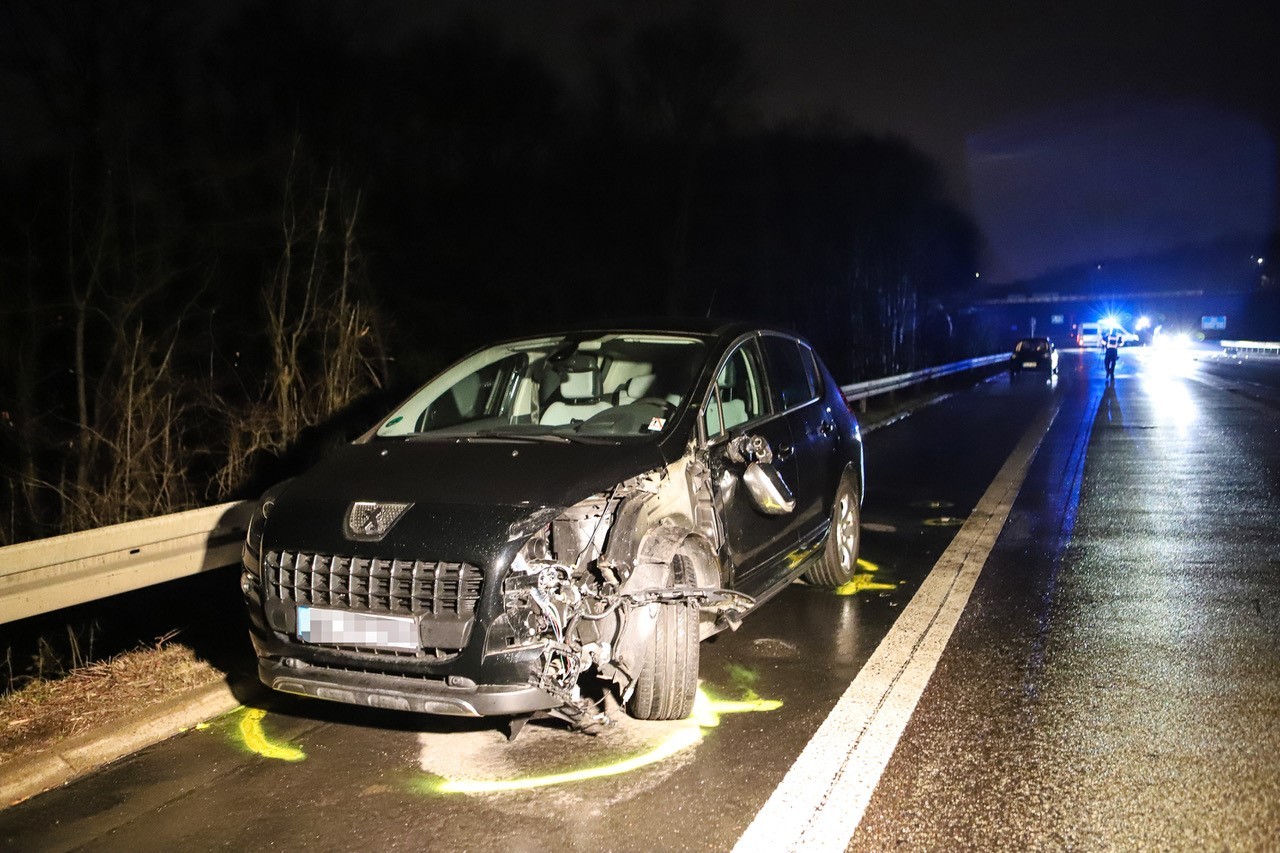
1213	323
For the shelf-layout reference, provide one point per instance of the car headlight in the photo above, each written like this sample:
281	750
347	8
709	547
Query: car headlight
257	526
253	538
525	527
257	529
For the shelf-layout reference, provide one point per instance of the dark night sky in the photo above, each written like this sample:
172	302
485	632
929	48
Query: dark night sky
1073	131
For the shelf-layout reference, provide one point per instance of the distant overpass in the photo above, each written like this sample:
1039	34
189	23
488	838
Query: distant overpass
1216	312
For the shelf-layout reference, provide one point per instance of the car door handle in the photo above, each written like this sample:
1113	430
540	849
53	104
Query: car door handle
827	428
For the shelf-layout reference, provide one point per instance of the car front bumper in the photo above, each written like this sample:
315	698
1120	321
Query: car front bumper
403	693
476	682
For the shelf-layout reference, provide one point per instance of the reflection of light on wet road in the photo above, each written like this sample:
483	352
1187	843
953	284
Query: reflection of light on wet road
875	527
706	715
1165	384
944	521
1171	402
255	738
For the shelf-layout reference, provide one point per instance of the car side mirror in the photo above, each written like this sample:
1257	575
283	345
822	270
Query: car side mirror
768	491
750	448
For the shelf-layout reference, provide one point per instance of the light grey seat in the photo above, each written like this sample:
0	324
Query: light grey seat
635	388
579	393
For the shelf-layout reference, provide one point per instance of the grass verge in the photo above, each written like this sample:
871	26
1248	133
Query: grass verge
44	712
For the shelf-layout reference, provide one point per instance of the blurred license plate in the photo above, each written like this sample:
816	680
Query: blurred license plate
343	628
1028	364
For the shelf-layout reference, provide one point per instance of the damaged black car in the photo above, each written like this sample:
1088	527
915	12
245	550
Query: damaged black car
556	513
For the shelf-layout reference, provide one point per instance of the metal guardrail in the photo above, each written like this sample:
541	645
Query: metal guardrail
61	571
871	388
48	574
1251	347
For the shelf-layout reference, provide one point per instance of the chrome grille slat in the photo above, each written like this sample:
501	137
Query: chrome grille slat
397	586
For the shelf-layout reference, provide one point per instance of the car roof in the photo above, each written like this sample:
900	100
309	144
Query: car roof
709	328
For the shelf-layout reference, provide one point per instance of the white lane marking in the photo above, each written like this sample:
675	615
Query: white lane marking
820	802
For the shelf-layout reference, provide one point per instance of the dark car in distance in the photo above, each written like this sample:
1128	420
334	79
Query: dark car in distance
1033	354
558	512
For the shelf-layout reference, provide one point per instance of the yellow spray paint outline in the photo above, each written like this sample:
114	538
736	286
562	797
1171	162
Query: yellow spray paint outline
862	581
256	739
706	715
686	736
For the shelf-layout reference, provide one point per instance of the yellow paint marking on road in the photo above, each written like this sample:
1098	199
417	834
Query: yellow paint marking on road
862	583
681	739
707	711
256	739
706	715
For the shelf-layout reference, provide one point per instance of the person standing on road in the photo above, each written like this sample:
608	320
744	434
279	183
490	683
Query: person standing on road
1113	354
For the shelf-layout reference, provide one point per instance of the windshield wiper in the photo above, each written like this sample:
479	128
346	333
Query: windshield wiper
574	437
500	436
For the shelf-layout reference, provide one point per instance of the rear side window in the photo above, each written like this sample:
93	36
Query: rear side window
789	383
811	367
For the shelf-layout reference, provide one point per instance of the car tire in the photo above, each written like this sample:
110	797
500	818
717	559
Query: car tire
839	559
668	681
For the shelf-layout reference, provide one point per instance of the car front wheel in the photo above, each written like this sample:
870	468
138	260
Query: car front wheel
668	679
839	559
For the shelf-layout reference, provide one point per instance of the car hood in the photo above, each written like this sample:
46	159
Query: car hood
464	497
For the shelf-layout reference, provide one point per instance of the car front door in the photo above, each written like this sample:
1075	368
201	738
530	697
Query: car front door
737	407
795	387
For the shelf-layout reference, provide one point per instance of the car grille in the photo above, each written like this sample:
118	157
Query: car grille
400	587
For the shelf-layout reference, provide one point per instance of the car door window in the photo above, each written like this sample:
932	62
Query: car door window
738	395
789	384
811	367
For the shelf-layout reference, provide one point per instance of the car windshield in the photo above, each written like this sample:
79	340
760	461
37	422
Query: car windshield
556	389
1032	346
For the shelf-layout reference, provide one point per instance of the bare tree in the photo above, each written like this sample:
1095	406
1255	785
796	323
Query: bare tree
139	460
322	338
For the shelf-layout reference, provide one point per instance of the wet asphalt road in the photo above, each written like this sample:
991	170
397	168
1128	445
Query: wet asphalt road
1113	683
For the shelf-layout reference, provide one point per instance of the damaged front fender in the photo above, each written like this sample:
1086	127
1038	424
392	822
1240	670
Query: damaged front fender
587	587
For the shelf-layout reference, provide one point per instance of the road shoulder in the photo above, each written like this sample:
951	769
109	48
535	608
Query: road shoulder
83	753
